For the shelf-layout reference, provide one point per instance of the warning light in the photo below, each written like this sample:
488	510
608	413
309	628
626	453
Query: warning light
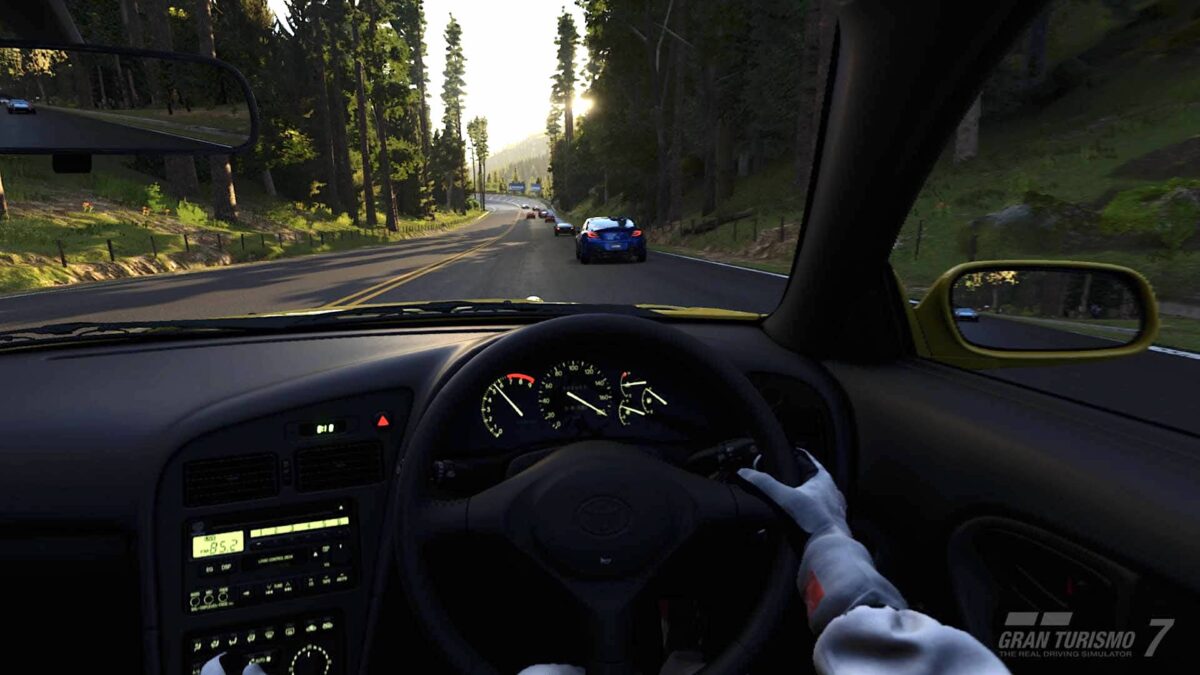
382	421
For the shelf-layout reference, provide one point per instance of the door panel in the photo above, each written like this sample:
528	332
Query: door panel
981	498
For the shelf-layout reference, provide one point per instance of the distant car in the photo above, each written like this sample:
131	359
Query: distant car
541	213
549	217
966	314
526	207
563	228
610	238
20	106
530	215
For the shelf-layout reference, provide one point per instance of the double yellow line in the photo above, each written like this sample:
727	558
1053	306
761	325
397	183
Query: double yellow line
376	290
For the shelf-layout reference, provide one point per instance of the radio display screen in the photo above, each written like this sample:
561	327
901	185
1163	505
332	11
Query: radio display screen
208	545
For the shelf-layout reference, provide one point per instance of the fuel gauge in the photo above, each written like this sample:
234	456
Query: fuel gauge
638	399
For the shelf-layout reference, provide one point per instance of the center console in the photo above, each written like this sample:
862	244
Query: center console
275	526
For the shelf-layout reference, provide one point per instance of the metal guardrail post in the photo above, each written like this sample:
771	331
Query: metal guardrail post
153	247
61	255
111	256
187	247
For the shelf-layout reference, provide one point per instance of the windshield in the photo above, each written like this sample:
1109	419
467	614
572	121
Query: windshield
415	151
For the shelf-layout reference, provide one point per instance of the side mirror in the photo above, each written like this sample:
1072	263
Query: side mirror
110	100
1028	313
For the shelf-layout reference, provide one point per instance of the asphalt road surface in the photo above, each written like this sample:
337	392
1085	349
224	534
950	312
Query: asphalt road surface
503	256
58	129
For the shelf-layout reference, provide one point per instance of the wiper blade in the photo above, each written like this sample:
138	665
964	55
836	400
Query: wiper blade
89	330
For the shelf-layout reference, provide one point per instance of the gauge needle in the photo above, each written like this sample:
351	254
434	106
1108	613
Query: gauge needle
506	398
651	392
633	384
594	408
633	410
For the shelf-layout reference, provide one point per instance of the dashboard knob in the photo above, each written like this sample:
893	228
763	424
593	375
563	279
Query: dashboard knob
310	660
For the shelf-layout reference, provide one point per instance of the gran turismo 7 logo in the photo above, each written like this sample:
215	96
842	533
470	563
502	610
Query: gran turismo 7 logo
1049	635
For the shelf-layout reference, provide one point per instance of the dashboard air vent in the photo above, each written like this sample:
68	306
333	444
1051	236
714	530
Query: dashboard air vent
335	466
230	479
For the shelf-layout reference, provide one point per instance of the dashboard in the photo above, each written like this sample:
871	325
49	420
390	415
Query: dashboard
241	487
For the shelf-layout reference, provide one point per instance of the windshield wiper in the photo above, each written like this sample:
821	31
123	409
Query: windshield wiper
289	322
327	318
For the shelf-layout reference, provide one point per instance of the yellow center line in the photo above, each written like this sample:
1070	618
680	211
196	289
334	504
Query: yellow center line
375	290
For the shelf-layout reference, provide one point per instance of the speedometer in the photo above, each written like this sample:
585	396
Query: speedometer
508	402
574	392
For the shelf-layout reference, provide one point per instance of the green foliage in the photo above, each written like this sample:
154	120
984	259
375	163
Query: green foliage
191	214
154	198
1169	211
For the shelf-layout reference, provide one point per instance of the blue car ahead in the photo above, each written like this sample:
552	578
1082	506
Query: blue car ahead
610	238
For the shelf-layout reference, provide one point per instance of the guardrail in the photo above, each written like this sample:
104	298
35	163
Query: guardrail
232	242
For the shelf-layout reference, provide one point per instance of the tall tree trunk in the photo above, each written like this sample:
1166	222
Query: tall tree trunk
364	141
966	139
100	82
132	21
1035	51
3	200
341	139
385	167
808	116
675	211
268	182
224	197
708	94
420	78
328	146
180	169
122	83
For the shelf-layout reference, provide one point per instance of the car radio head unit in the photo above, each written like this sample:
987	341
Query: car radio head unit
252	558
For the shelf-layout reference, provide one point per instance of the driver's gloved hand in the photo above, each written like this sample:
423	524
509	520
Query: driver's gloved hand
215	667
553	669
836	572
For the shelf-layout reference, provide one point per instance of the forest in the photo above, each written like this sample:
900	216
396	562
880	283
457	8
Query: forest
343	96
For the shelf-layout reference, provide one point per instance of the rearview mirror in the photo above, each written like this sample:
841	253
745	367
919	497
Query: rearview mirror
109	100
1021	313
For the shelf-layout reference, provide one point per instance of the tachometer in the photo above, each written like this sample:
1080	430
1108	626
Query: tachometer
572	392
508	401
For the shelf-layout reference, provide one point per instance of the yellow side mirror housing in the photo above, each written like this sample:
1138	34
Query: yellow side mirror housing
1019	313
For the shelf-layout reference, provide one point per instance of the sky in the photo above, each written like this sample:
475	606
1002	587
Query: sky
510	55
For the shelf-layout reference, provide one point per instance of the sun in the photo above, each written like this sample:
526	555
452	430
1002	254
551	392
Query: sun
581	105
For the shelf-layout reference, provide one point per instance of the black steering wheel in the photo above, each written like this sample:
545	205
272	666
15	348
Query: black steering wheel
599	516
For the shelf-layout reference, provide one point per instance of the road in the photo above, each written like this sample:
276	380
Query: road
503	256
58	129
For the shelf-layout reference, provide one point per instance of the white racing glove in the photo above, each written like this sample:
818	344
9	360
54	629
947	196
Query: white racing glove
214	667
836	572
553	669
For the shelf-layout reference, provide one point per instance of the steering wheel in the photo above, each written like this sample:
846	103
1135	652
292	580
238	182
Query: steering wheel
598	516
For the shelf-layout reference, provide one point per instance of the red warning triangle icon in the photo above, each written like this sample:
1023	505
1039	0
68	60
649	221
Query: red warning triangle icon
381	421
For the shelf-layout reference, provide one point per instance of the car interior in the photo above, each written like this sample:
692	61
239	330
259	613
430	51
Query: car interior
328	501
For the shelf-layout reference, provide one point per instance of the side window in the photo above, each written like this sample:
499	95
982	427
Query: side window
1084	145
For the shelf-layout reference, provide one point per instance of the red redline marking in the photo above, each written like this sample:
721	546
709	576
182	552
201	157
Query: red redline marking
520	376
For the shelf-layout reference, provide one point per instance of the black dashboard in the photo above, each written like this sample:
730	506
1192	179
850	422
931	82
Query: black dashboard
244	484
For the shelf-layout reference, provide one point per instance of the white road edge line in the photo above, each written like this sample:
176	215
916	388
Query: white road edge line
1175	352
721	264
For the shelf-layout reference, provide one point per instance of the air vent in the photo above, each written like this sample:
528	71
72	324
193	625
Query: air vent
230	479
334	466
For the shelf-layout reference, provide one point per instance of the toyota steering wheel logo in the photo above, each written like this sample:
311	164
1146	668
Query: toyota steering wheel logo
603	516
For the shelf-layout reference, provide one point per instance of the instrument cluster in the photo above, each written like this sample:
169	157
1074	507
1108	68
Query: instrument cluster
578	398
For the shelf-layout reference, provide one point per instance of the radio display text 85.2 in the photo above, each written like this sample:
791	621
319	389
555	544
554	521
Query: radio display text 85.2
207	545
